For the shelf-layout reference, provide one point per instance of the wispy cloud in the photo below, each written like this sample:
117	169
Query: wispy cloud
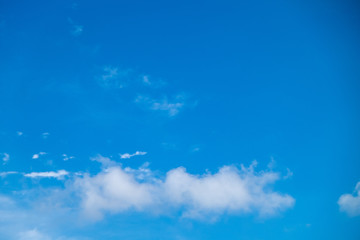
114	77
350	203
19	133
66	157
76	29
105	162
146	80
171	107
33	234
151	82
5	157
45	135
128	155
4	174
59	174
289	174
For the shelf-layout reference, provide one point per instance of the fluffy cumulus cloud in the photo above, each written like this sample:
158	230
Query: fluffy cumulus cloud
231	190
350	203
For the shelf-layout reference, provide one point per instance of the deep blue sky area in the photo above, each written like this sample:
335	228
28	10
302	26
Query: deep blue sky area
101	102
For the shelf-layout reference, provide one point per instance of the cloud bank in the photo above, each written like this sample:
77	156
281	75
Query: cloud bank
231	190
350	203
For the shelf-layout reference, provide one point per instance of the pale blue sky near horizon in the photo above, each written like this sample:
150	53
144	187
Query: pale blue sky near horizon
96	95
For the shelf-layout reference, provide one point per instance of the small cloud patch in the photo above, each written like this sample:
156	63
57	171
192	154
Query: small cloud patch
350	203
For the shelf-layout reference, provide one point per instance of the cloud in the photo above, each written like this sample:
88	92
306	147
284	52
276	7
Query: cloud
20	221
105	162
76	29
127	155
229	191
45	135
5	157
37	155
350	203
146	80
171	107
114	77
289	174
33	234
4	174
150	82
59	174
19	133
66	157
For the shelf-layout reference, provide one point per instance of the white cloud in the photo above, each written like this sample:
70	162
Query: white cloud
350	203
128	155
171	107
146	80
5	157
33	234
4	174
114	77
37	155
59	174
19	133
66	157
105	162
109	73
76	29
229	191
289	173
195	149
150	82
45	135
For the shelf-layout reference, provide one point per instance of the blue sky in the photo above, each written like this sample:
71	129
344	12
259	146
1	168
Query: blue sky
179	120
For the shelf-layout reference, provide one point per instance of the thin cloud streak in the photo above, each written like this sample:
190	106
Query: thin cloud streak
127	155
171	107
59	174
